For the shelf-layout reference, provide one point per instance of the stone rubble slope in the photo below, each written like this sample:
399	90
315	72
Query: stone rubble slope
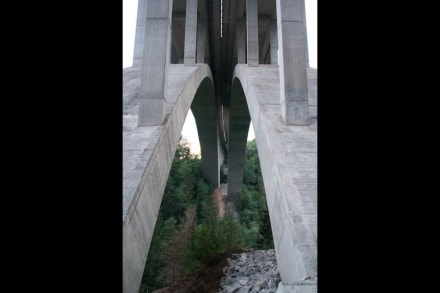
256	271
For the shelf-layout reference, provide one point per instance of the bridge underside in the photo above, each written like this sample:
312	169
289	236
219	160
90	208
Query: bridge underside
247	63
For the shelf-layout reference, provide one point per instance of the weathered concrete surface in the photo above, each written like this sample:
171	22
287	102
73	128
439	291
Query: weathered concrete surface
140	33
239	122
190	32
292	61
288	158
241	41
287	153
156	58
252	32
273	43
147	156
201	40
204	110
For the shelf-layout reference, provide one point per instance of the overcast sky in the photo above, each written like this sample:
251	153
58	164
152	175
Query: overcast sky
189	129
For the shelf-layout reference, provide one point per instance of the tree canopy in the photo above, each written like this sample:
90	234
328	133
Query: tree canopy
189	234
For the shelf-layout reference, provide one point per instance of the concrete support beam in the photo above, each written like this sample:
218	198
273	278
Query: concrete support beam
154	74
265	41
306	43
201	40
177	38
204	110
252	32
240	36
190	32
239	122
273	43
140	34
238	133
293	75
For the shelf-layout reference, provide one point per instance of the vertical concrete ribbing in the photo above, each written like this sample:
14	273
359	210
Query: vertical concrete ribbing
154	75
293	75
140	34
201	40
273	43
306	43
190	32
240	35
252	32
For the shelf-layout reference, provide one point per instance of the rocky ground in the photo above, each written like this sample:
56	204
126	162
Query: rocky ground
251	272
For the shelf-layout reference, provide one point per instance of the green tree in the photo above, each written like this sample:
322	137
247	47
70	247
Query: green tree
189	233
254	215
173	247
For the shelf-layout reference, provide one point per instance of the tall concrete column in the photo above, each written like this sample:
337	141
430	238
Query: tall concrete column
201	40
140	34
154	75
239	122
190	33
293	75
252	32
204	110
238	133
240	37
273	43
306	43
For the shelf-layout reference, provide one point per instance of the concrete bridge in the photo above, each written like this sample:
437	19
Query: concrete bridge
230	62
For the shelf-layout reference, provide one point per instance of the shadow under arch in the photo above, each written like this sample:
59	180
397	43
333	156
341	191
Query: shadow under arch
204	110
143	209
239	121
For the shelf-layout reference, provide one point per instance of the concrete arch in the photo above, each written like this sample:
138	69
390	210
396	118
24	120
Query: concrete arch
188	87
288	165
239	121
204	110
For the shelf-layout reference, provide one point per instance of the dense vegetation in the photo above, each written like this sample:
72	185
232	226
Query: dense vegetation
189	235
